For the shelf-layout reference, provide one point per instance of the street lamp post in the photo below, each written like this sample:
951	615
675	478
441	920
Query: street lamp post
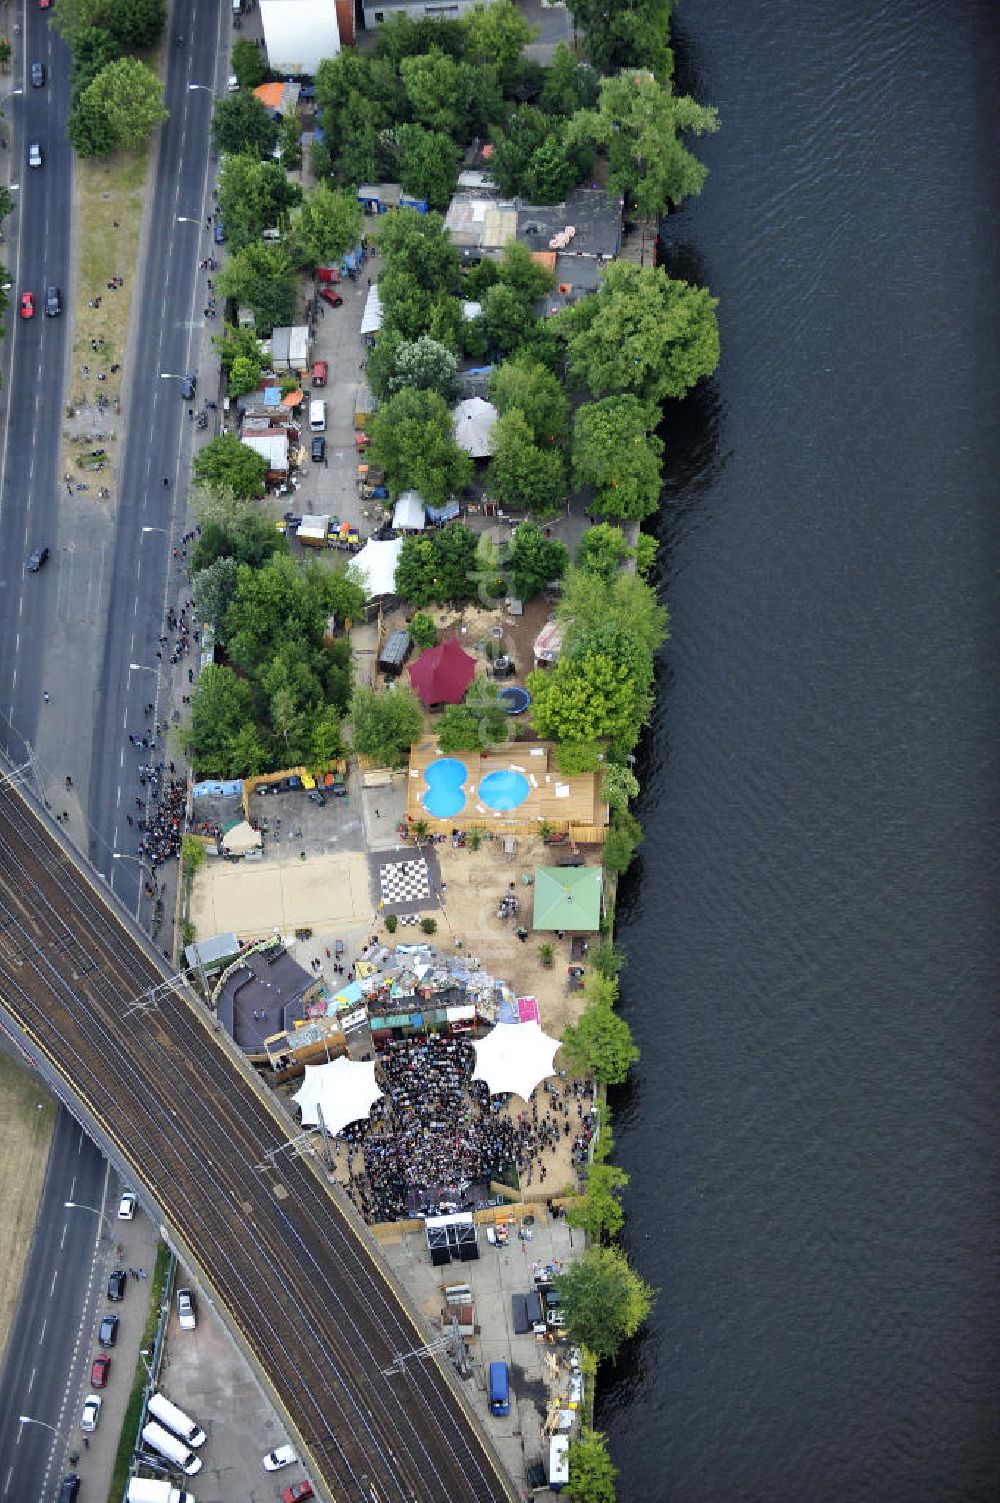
27	1419
76	1205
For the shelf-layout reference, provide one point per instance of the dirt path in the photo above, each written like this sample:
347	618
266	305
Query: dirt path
27	1117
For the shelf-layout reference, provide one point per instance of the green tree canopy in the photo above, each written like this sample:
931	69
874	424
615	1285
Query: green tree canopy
132	23
623	839
476	724
213	590
569	85
128	96
617	456
253	196
602	551
329	224
497	34
247	63
604	1300
222	738
425	365
422	630
413	441
589	602
433	91
599	1211
385	725
643	332
241	125
428	164
522	474
586	698
93	49
419	245
638	124
261	276
599	1043
246	536
244	375
630	33
282	602
591	1471
532	389
225	461
438	566
534	560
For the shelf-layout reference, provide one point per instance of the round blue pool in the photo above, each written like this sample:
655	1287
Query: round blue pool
444	778
504	790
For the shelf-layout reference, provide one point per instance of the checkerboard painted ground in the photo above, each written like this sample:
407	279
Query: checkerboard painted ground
404	882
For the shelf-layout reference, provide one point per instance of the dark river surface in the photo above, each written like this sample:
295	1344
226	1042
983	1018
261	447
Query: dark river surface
813	1131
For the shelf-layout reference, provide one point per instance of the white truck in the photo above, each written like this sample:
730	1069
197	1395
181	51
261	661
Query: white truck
176	1420
153	1490
158	1439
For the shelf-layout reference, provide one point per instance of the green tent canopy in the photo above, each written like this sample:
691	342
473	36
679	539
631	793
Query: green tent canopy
568	897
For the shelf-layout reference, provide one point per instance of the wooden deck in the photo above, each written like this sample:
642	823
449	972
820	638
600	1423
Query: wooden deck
572	804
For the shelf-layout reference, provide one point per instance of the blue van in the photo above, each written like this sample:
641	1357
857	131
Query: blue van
499	1388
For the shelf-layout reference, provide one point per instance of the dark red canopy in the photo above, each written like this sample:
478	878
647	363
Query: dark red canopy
442	674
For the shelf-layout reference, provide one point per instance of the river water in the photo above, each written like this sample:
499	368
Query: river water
813	1131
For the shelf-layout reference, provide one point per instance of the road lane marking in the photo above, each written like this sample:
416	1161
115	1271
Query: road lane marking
31	1380
53	1284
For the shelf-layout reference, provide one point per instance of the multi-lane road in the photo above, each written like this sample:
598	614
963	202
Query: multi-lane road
282	1253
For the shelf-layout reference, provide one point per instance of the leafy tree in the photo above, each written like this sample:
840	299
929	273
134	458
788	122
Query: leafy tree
599	1212
617	457
599	1043
617	640
643	332
244	375
527	386
193	854
423	631
586	698
533	560
249	538
128	96
638	123
93	49
608	960
385	726
6	201
329	224
242	126
235	342
327	737
522	273
438	566
591	1471
569	85
506	315
513	149
419	245
619	785
428	164
521	473
404	37
498	34
629	33
604	1300
253	196
282	603
473	726
247	63
602	551
213	590
646	547
433	91
222	739
554	169
589	602
290	141
622	840
261	276
413	441
225	461
137	23
425	365
575	757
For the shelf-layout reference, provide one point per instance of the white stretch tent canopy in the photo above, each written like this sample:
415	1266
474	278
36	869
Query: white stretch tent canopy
515	1057
344	1090
408	515
375	566
473	422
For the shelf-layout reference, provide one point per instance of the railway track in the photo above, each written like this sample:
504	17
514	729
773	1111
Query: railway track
287	1261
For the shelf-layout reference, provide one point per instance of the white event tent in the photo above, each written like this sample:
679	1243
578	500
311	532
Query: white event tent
515	1057
344	1090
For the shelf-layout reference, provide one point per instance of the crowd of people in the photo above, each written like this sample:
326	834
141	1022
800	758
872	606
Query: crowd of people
163	824
437	1138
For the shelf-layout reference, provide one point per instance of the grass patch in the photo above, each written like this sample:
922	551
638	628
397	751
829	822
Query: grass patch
27	1117
159	1291
108	204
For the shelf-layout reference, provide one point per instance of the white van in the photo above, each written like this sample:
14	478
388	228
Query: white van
153	1490
176	1420
317	416
158	1439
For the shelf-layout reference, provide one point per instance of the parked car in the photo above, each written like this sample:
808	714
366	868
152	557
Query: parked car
187	1316
90	1418
38	75
36	559
108	1333
298	1492
126	1206
34	154
318	448
70	1488
332	298
315	797
320	373
275	1460
189	385
218	233
53	302
27	305
99	1369
116	1284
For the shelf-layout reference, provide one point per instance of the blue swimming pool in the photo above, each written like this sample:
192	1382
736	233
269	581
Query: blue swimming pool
504	790
444	778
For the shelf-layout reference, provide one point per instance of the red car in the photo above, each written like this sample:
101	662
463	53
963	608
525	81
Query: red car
27	305
100	1367
333	298
298	1492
